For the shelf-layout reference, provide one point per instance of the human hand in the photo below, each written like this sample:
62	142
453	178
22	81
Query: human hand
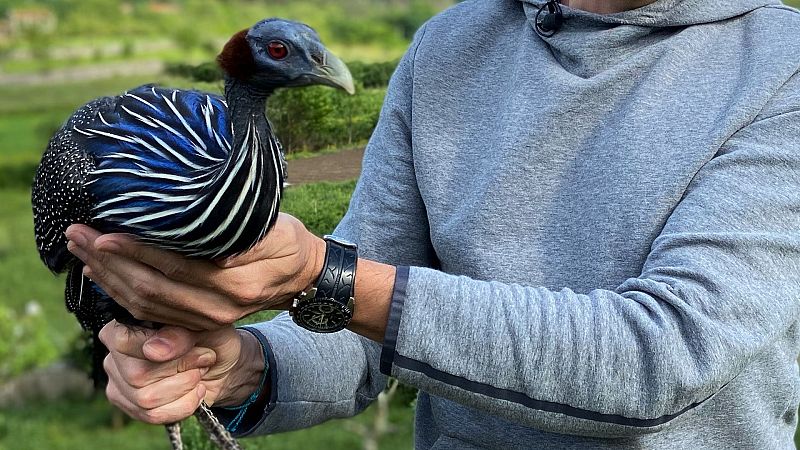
161	376
165	287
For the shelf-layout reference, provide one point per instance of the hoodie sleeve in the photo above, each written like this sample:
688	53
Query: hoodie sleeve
721	284
316	377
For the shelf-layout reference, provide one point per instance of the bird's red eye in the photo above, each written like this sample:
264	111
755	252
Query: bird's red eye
277	50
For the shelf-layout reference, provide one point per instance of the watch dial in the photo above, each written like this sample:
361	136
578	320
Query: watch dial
323	316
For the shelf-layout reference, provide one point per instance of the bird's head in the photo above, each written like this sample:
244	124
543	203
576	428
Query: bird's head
278	53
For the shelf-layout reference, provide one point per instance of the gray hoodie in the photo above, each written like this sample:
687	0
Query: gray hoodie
598	234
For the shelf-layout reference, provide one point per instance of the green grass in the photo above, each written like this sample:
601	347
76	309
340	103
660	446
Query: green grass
24	136
71	425
319	205
24	278
60	97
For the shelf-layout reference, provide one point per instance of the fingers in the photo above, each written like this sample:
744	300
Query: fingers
210	301
142	357
170	264
165	344
148	295
173	411
125	340
144	382
169	343
139	373
157	393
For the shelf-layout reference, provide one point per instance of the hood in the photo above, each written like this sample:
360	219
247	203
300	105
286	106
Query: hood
589	43
663	13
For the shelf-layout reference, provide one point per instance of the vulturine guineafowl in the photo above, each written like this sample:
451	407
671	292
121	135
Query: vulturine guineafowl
180	169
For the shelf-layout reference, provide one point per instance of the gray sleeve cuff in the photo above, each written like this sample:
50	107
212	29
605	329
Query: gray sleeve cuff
393	326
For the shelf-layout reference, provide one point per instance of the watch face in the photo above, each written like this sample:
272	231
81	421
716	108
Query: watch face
323	316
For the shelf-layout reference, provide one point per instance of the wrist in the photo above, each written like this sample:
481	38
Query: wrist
246	375
313	267
373	298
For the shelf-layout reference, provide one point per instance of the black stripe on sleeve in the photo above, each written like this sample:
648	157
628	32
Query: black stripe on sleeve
524	400
393	326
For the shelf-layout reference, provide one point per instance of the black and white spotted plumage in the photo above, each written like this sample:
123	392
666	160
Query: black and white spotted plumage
59	196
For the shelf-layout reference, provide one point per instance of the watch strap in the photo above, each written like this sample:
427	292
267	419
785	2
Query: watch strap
337	280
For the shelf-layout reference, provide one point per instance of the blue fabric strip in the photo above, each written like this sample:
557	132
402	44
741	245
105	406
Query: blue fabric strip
393	326
247	427
524	400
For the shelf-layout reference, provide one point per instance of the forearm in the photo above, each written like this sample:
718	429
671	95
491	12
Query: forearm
606	363
373	297
315	376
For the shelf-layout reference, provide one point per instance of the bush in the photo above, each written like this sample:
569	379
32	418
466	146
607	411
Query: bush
372	75
17	176
353	30
206	72
318	117
408	18
24	342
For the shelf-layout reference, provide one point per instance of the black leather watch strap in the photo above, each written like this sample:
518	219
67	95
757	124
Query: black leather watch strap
337	280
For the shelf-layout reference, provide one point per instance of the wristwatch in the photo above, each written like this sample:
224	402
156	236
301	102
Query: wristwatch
328	306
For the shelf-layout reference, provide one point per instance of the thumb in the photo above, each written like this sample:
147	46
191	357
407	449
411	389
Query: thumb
169	343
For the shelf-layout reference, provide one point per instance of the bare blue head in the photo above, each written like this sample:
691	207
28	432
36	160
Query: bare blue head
278	53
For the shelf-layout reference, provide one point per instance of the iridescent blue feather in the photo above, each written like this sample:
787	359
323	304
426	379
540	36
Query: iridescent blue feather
164	168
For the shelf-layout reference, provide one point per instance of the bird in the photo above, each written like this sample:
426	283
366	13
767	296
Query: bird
184	170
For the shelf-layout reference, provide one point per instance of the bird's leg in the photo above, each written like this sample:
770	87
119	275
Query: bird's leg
216	431
174	434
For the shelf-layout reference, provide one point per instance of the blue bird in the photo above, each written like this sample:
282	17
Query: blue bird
184	170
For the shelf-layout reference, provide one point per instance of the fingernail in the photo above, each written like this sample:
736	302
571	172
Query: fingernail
76	237
109	246
161	347
201	391
206	359
87	272
204	371
73	248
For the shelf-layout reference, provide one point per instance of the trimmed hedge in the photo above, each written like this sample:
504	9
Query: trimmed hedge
206	72
317	117
369	75
372	75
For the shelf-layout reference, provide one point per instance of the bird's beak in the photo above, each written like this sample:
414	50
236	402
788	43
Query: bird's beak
333	72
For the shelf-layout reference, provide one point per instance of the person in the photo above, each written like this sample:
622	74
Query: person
580	237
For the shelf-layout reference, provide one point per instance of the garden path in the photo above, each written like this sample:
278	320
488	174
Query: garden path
340	166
